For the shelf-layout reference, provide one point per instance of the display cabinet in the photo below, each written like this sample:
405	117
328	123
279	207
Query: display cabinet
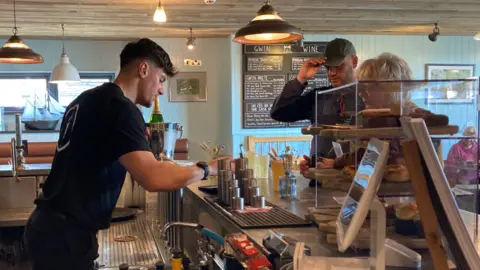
348	117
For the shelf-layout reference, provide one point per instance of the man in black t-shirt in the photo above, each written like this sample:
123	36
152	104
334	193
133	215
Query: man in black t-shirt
102	137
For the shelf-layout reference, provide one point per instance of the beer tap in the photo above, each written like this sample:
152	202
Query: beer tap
205	249
19	148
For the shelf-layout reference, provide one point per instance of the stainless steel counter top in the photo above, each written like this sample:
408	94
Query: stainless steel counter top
311	236
30	170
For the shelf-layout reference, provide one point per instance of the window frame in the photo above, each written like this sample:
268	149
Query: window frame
52	88
85	75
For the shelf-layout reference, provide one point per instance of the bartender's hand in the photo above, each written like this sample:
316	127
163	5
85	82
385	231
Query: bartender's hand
213	165
309	69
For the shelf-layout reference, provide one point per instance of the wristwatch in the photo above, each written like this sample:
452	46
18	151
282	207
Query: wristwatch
204	166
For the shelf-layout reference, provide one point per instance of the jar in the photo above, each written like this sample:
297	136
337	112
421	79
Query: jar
288	186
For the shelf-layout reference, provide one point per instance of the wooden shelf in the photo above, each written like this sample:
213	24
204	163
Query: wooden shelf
367	133
387	189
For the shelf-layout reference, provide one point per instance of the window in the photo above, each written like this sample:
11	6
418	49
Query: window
68	92
18	89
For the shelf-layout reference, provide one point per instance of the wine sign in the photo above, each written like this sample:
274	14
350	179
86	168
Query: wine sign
267	68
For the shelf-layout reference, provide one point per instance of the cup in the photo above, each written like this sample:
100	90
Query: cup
261	166
278	170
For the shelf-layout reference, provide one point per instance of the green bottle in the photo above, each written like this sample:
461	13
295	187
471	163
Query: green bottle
156	116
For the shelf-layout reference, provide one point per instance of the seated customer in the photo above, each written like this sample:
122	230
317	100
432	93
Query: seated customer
461	163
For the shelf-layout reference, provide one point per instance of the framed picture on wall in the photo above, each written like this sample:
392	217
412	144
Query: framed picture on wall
445	93
188	87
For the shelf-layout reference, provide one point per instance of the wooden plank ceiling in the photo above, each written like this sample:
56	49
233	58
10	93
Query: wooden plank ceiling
129	19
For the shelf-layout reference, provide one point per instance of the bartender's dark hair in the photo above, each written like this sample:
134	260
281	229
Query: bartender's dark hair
147	49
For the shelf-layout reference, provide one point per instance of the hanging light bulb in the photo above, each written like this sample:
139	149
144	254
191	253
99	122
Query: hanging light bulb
64	72
267	28
15	51
191	41
160	15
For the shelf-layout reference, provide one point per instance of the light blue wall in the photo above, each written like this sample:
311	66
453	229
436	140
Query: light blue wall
202	121
220	118
416	50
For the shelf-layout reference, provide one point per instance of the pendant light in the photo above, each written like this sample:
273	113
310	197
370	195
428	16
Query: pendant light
160	15
191	41
64	72
477	36
15	51
267	28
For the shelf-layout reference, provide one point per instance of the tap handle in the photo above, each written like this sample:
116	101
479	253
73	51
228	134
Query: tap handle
212	235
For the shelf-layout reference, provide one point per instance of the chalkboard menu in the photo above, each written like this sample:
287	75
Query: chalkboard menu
267	68
263	86
265	63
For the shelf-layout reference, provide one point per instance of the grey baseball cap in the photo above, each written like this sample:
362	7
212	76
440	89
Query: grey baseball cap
337	50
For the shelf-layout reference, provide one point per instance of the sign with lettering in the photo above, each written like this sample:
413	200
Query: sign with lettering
318	81
317	48
297	63
257	115
265	63
302	123
266	70
263	86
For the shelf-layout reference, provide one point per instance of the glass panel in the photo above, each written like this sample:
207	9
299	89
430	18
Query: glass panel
348	117
67	92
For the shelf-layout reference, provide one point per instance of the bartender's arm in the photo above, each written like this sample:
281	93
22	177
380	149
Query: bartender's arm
290	105
131	148
157	176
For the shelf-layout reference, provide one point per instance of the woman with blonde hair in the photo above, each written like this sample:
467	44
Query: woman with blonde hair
379	91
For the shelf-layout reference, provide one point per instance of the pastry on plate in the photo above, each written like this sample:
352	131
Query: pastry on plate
431	119
349	170
407	221
396	173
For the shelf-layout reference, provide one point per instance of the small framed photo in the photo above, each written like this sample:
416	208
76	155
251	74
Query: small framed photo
188	87
450	93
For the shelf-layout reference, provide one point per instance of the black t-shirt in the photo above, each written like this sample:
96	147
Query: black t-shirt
86	178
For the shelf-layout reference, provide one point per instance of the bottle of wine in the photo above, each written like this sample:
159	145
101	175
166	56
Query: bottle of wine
156	116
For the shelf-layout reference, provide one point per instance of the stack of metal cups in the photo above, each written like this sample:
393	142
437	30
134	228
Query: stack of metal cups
240	164
223	166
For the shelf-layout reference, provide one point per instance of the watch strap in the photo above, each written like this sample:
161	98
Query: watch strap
205	168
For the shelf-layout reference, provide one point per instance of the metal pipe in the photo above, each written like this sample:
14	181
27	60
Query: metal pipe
14	157
179	224
20	159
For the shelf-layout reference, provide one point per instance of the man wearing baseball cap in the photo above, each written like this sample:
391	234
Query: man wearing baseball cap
293	105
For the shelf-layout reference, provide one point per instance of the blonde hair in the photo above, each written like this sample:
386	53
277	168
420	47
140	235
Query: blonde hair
389	67
385	67
469	131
